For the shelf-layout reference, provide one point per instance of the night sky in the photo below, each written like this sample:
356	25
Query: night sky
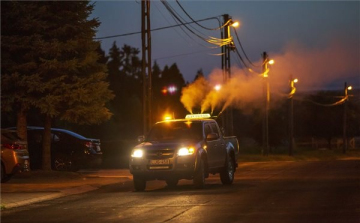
318	42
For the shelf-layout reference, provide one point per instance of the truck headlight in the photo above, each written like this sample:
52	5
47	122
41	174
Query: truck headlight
138	153
185	151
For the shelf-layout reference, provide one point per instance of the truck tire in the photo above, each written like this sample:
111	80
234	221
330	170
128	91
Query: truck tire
199	177
172	182
227	174
139	183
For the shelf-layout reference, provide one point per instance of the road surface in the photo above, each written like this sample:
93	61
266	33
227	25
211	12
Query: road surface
321	191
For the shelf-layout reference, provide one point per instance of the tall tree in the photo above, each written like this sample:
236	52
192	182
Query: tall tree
171	77
124	69
156	91
52	59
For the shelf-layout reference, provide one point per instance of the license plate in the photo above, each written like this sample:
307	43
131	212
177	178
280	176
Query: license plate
159	162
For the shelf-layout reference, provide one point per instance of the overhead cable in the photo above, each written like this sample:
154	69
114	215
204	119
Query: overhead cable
211	40
156	29
217	28
247	58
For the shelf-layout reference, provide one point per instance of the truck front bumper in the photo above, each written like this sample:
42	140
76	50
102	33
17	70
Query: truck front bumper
181	167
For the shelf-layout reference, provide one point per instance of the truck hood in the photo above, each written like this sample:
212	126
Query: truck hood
167	144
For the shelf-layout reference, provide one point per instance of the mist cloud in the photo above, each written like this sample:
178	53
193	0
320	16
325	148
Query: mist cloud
314	67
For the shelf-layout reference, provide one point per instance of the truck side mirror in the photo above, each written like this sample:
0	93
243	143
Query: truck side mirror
141	138
212	136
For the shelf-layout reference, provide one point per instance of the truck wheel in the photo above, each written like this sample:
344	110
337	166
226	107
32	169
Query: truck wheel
139	183
227	174
199	177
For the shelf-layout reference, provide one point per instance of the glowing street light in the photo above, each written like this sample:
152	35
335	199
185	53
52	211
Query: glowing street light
291	114
266	89
217	87
235	24
346	96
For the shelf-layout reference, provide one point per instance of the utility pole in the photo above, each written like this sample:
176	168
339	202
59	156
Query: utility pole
266	90
146	64
291	116
344	118
225	65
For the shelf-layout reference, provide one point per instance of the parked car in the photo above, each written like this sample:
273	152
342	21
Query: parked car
14	154
69	150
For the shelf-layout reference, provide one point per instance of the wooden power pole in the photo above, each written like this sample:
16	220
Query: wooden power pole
146	64
225	65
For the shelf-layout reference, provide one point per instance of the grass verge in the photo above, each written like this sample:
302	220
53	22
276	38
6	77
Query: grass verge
255	155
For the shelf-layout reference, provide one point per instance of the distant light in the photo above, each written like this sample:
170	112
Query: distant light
217	87
271	62
349	88
172	89
235	24
296	80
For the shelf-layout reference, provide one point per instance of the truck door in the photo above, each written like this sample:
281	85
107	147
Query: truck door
220	149
211	147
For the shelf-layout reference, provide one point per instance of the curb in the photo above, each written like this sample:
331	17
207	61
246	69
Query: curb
62	193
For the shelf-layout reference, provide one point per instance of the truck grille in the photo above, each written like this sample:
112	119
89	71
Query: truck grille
160	154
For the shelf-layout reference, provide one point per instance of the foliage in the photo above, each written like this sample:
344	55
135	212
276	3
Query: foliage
50	62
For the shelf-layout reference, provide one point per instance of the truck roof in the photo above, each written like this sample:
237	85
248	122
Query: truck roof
189	120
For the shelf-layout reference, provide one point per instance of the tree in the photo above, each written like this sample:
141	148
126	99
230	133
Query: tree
199	74
156	91
124	69
171	102
52	61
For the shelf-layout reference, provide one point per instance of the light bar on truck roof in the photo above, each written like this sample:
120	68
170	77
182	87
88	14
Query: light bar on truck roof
192	116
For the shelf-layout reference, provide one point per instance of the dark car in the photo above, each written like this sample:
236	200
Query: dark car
14	154
69	150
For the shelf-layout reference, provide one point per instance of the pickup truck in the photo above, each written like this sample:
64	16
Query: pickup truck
190	148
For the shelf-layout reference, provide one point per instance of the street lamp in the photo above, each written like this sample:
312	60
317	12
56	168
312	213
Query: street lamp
217	87
235	24
228	45
266	89
346	96
291	114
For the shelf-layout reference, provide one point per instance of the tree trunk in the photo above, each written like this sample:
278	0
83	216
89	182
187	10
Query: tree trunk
21	123
46	147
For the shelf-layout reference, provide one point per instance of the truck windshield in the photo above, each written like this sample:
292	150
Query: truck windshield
173	131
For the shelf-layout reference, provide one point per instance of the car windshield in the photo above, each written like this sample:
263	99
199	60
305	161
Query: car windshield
173	131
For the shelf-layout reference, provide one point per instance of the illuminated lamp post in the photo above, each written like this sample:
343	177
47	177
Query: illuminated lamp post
227	118
266	87
291	115
217	87
346	96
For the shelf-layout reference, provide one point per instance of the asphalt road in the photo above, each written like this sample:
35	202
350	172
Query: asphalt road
262	192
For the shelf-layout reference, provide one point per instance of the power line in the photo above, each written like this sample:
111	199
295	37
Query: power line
186	33
211	40
156	29
217	28
184	54
247	58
